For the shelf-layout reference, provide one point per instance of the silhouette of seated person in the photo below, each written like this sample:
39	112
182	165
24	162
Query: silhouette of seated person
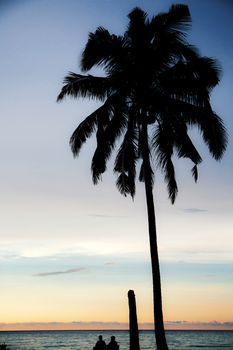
113	345
100	345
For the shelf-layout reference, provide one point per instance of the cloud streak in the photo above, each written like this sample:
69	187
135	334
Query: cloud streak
55	273
107	216
194	210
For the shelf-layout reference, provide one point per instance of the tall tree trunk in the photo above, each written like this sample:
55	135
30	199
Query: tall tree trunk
157	295
133	323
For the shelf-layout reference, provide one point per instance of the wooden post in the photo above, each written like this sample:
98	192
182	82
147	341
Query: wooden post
133	323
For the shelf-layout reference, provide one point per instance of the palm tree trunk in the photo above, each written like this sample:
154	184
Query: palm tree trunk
133	322
157	296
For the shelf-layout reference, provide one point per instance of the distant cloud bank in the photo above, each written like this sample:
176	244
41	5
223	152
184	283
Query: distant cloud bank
95	325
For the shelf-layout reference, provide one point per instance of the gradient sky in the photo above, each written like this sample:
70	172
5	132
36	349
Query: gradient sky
70	251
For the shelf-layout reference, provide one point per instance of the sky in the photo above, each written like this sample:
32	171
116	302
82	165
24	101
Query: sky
69	250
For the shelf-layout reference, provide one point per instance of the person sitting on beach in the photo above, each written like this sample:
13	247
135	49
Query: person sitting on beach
3	346
113	345
100	345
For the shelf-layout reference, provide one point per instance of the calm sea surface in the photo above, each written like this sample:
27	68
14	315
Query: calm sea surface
85	340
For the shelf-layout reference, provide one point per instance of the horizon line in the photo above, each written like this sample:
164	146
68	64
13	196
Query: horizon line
114	330
111	326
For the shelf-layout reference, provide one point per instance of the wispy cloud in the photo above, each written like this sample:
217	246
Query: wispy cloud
107	216
194	210
110	263
54	273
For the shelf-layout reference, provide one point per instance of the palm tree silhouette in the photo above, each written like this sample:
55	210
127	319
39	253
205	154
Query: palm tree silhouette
156	86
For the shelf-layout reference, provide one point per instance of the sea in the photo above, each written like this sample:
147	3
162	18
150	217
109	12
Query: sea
85	340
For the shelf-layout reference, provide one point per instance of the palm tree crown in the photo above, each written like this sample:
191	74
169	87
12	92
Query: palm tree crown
153	76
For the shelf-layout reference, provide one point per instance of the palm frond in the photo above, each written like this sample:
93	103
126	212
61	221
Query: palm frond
167	41
179	17
125	162
128	151
124	185
85	129
148	170
191	81
214	133
106	142
176	21
209	124
77	85
170	179
195	173
141	176
172	127
182	141
102	48
162	146
167	33
208	70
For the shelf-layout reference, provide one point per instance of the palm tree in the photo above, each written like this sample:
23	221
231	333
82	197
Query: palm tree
156	85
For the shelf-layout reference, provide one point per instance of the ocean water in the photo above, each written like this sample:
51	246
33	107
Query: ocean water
85	340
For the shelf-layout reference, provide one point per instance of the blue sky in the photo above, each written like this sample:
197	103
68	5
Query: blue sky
61	235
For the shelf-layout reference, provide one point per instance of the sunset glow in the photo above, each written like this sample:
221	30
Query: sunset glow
69	250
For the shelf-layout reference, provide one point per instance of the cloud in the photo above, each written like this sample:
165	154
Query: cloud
189	325
110	263
107	216
98	325
54	273
176	322
216	323
10	256
194	210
